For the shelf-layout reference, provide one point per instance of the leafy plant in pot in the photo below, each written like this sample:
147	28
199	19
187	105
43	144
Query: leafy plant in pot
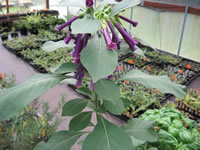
21	25
4	36
95	60
14	33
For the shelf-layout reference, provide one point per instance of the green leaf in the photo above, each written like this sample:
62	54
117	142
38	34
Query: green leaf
107	136
162	83
116	107
80	122
62	140
141	130
110	92
153	148
100	57
65	68
13	100
74	107
52	46
107	89
84	91
85	25
125	4
166	137
77	3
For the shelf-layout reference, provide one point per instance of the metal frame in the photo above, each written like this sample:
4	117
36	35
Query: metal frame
182	30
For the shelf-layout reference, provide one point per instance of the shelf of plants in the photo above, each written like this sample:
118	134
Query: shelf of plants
5	17
137	98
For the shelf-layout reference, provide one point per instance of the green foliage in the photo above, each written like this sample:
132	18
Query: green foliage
109	136
18	97
80	122
140	131
51	45
175	131
110	93
191	100
27	128
162	83
74	107
62	140
101	57
93	24
8	81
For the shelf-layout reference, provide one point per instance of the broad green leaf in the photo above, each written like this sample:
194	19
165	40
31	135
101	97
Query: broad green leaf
102	62
62	140
116	107
69	82
110	92
125	4
52	46
13	100
166	137
107	89
80	122
65	68
85	91
74	107
86	25
153	148
75	3
162	83
107	136
141	130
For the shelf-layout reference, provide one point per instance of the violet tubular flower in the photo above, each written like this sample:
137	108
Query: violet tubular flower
92	86
68	39
77	47
127	37
59	28
134	23
115	36
89	3
80	73
110	44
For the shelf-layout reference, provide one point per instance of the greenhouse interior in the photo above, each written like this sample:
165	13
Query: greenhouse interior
100	75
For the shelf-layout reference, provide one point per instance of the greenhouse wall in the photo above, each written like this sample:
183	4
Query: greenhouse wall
162	30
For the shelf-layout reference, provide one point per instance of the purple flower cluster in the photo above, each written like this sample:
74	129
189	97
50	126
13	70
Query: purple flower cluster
115	41
82	40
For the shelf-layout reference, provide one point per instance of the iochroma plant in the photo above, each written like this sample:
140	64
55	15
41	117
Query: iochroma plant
95	60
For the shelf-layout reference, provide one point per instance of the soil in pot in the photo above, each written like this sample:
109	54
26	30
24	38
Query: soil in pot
23	31
4	38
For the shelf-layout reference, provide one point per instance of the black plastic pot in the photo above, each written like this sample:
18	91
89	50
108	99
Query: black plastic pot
33	31
4	38
23	31
14	34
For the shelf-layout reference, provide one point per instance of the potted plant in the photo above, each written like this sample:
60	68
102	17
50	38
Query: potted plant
14	33
21	26
4	36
